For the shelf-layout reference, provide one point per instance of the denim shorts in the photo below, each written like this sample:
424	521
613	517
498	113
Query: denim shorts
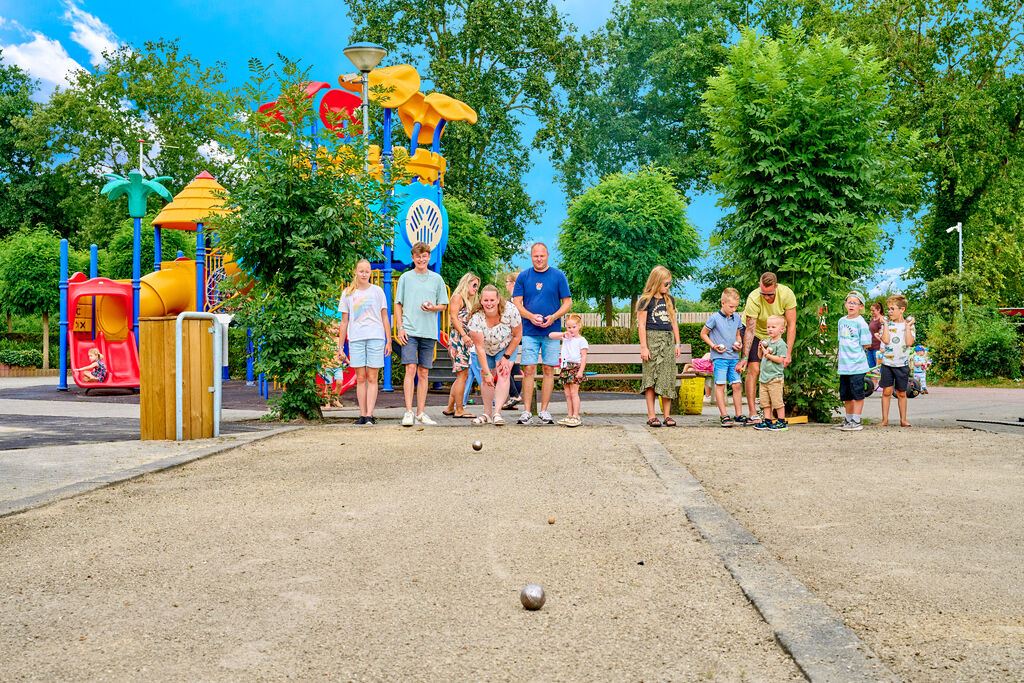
725	371
419	351
544	349
366	353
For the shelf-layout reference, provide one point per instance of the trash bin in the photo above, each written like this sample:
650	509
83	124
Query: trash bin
691	395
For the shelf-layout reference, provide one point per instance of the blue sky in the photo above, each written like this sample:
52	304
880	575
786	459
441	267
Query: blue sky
49	38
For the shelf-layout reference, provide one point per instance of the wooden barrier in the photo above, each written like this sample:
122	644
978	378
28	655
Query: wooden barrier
156	391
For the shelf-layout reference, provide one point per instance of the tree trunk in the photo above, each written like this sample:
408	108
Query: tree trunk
632	311
46	341
10	322
609	312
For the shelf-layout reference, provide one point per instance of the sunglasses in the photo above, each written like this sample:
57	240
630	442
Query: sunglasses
768	295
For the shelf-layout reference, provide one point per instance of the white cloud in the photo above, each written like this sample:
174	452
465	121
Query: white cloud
88	31
42	58
887	279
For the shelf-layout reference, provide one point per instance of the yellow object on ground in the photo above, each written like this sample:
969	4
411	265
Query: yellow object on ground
197	203
691	395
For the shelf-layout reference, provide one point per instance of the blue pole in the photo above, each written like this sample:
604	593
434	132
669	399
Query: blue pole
387	297
436	146
316	144
62	286
249	380
94	271
385	147
413	141
136	276
181	254
200	269
156	247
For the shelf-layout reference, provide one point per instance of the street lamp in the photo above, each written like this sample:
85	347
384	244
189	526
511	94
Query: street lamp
959	227
365	57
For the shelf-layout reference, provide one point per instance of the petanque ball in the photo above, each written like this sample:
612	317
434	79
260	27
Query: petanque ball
477	445
532	597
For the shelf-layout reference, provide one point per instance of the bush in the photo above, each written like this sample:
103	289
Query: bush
978	344
31	358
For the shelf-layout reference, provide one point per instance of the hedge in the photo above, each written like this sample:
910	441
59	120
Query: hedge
30	359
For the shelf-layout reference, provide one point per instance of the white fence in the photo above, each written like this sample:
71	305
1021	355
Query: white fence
622	319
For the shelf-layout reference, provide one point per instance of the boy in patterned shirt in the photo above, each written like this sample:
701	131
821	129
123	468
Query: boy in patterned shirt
854	338
897	339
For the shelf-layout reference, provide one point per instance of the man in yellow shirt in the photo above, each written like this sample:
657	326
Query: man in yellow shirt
769	299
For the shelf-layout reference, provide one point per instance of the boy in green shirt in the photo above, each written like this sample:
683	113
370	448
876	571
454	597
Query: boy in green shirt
772	354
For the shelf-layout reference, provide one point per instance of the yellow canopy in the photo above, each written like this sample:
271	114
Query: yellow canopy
197	203
402	82
450	108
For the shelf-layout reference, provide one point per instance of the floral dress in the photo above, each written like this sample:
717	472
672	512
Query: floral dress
458	350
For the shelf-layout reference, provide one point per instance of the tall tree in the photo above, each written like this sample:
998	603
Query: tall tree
619	229
501	58
297	232
809	169
957	76
470	249
154	93
636	98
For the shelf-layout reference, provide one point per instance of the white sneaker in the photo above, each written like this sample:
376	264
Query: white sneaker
565	421
524	419
407	419
841	425
854	427
575	422
424	419
545	417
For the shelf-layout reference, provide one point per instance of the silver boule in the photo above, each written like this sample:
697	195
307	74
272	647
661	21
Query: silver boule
477	445
532	596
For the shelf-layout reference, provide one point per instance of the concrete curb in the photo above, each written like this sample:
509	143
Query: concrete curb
823	647
14	507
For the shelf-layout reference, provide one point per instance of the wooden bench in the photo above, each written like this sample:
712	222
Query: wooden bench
628	354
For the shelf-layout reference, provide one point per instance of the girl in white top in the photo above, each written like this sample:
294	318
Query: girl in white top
573	364
364	322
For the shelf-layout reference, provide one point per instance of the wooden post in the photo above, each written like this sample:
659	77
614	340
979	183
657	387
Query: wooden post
156	365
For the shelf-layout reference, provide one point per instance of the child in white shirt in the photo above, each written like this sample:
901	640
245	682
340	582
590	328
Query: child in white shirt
573	363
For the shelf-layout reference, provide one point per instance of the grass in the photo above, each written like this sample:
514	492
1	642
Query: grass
989	383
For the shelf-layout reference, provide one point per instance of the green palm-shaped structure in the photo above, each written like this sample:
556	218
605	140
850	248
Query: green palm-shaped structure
137	190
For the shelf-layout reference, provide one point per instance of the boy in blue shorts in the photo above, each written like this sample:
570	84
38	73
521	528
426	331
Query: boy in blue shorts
723	333
854	339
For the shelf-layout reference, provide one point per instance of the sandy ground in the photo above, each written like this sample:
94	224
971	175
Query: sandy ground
324	554
914	536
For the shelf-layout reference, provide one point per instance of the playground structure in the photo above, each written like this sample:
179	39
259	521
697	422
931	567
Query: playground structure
97	312
421	215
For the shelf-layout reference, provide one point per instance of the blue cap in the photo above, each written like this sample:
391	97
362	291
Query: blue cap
919	348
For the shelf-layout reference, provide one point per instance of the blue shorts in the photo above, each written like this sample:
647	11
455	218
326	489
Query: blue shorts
366	353
419	351
544	349
725	371
332	374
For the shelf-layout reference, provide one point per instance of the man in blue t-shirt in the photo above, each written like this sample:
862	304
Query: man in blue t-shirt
542	296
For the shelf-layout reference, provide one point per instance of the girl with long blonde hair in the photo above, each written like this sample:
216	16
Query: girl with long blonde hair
659	343
461	301
364	323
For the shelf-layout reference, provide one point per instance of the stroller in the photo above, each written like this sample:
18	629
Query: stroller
875	373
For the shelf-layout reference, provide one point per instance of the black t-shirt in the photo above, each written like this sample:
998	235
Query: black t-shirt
657	314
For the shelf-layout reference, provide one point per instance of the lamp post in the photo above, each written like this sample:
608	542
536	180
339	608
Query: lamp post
365	57
959	227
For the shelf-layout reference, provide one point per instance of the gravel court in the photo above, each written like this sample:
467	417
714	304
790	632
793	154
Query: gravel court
913	536
323	553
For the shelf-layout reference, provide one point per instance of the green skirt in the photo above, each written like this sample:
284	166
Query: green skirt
660	370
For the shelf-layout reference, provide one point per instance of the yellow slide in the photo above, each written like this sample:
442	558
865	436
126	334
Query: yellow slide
167	291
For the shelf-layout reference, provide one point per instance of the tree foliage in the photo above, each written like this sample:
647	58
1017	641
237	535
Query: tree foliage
503	59
956	76
808	170
154	93
621	228
297	233
636	98
470	248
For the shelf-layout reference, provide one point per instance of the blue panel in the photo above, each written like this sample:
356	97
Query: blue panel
420	213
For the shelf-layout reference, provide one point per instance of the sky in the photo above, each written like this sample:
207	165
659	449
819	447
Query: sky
49	38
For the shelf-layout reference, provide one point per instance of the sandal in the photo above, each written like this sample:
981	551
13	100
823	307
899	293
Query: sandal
653	422
498	420
449	414
669	422
482	420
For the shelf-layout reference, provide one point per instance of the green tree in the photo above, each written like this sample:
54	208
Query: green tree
620	229
29	274
27	186
154	93
470	248
636	99
808	169
504	60
956	76
297	233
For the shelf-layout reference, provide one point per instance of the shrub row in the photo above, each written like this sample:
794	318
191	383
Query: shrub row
25	358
